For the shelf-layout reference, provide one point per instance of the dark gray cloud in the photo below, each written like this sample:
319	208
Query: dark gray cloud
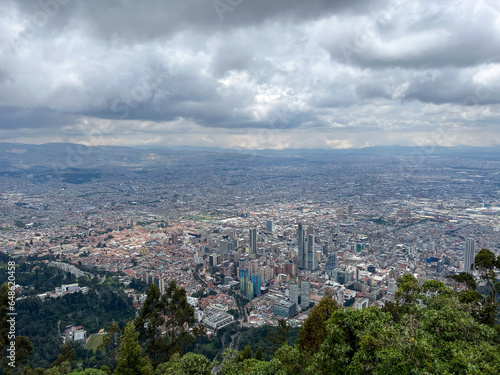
30	118
452	86
216	69
135	21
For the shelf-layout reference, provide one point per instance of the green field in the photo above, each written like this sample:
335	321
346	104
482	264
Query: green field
94	341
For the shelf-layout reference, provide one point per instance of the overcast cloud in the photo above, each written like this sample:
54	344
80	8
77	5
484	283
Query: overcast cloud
250	73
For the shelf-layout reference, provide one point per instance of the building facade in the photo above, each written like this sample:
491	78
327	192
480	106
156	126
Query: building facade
285	309
253	240
304	294
470	253
294	294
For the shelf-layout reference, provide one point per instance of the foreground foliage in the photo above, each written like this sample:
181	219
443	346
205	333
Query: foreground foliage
427	329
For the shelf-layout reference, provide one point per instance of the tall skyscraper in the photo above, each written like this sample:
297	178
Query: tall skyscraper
253	240
350	210
256	284
304	295
470	253
249	289
300	242
312	257
243	279
294	293
270	226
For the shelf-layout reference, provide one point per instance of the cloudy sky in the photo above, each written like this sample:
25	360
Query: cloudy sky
251	74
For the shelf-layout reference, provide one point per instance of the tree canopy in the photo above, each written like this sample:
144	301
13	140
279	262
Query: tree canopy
130	358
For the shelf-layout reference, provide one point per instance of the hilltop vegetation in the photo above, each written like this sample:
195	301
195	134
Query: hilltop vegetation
428	329
40	321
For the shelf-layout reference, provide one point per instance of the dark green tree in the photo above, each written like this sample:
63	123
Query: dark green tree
245	354
408	290
67	354
291	359
24	349
485	262
29	371
470	297
63	368
466	278
313	331
149	323
392	308
130	358
165	321
179	316
258	354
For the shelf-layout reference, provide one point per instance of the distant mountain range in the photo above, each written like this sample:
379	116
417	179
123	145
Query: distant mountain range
19	156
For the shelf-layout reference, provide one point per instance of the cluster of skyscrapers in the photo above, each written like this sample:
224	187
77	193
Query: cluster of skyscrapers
250	287
307	259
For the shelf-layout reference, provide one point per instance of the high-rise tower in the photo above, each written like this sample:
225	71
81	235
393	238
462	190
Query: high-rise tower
294	293
470	253
304	294
270	226
243	279
253	240
312	257
300	242
256	284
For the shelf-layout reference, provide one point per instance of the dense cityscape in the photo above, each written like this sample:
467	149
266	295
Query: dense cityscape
280	246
